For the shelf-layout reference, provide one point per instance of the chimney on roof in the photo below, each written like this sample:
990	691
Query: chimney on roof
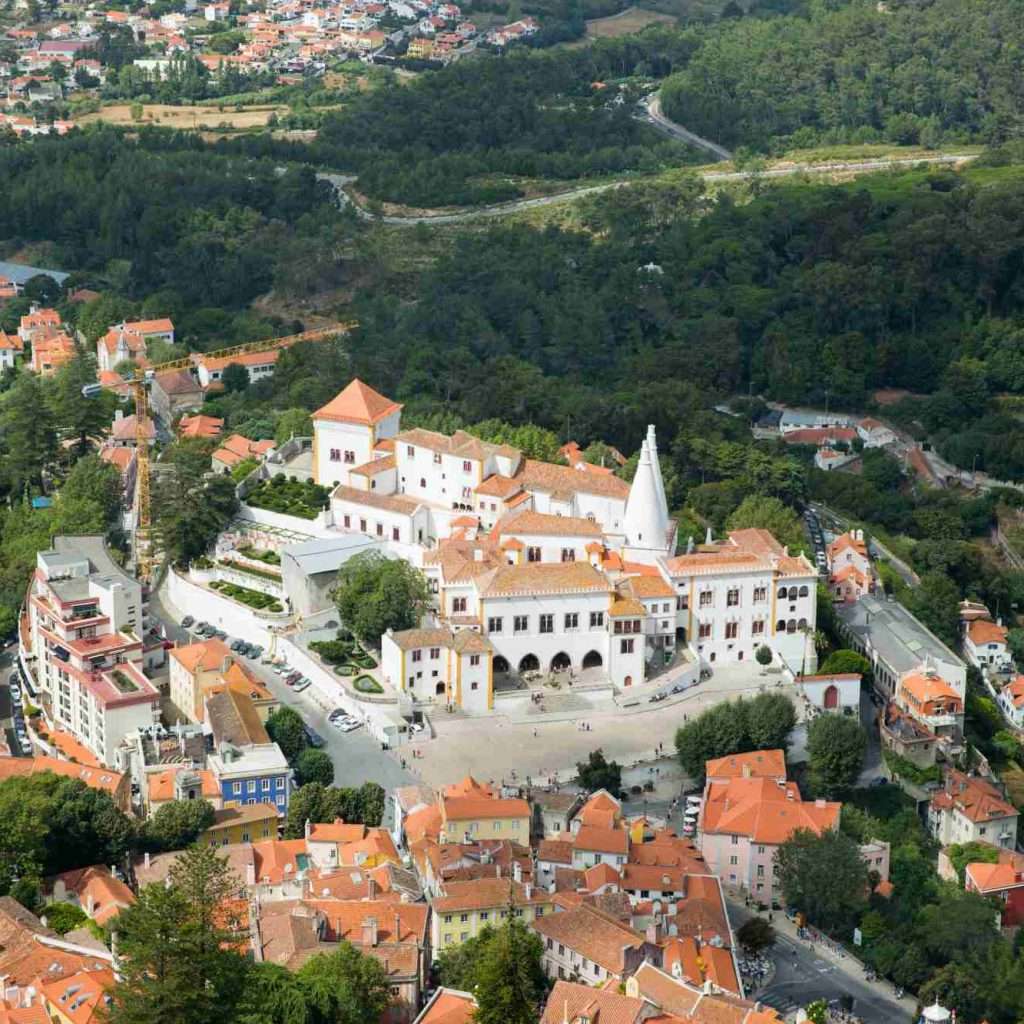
309	828
745	771
517	871
819	802
370	931
789	794
709	537
250	874
145	859
478	554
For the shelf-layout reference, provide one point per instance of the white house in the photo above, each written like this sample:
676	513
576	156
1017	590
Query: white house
985	645
874	433
1011	700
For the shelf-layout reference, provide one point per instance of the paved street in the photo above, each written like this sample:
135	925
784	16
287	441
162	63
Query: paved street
803	974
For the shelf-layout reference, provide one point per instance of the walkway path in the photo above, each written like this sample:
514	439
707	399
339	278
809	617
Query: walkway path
652	104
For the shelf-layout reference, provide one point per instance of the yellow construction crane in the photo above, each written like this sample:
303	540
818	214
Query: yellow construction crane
139	385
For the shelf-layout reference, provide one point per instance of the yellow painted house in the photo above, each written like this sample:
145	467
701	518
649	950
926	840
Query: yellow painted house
471	811
468	906
242	823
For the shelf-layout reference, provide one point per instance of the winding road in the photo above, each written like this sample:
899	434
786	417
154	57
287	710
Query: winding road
654	116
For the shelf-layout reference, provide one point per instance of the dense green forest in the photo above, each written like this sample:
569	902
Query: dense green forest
901	71
444	137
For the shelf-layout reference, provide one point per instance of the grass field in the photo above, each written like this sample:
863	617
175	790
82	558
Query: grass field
200	116
628	21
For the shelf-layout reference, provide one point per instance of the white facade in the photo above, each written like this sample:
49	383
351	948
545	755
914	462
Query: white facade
836	694
84	633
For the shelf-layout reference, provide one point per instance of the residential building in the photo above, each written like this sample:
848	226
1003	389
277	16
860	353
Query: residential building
575	1003
756	764
874	433
395	934
851	574
986	647
553	812
180	782
679	1000
972	809
82	998
586	944
94	890
11	348
448	1006
51	349
115	784
934	703
174	392
744	820
86	621
237	449
467	907
1011	701
253	775
895	643
258	365
124	433
193	668
471	811
242	823
1002	881
207	427
906	737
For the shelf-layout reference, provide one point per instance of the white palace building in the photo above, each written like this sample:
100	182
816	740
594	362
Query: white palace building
540	567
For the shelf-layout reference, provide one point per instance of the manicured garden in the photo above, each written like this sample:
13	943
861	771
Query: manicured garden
260	554
266	574
367	684
253	598
346	656
290	497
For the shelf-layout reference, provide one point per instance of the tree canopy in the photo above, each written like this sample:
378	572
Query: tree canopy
376	593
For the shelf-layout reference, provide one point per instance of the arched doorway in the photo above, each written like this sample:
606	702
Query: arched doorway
500	664
439	689
561	662
831	697
592	659
529	663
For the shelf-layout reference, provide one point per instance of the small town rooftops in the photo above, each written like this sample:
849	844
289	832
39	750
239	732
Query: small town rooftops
544	577
983	632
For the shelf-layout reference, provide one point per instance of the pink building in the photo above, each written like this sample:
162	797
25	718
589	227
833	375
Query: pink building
744	820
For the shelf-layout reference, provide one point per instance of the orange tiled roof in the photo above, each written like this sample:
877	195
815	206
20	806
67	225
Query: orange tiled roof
93	776
593	934
448	1006
924	687
763	811
983	632
769	764
200	426
975	798
208	656
481	893
357	403
569	1001
160	785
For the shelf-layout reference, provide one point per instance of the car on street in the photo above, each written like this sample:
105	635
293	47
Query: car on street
657	697
255	651
315	739
236	646
346	724
187	621
282	669
301	685
415	727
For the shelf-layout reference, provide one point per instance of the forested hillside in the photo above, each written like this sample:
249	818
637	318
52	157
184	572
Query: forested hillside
437	140
902	71
890	281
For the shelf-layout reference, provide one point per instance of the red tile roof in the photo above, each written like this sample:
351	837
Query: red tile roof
357	403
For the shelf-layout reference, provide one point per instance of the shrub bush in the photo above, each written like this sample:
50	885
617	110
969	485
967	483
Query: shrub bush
367	684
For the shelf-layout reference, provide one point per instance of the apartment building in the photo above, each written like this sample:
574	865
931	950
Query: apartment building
86	624
467	907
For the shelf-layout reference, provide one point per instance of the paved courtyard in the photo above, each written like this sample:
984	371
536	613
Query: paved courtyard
547	745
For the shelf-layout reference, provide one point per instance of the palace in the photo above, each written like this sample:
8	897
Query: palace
549	567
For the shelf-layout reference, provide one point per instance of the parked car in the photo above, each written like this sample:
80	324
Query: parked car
315	739
220	634
255	651
347	724
301	685
187	621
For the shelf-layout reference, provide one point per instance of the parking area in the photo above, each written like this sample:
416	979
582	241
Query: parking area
13	699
